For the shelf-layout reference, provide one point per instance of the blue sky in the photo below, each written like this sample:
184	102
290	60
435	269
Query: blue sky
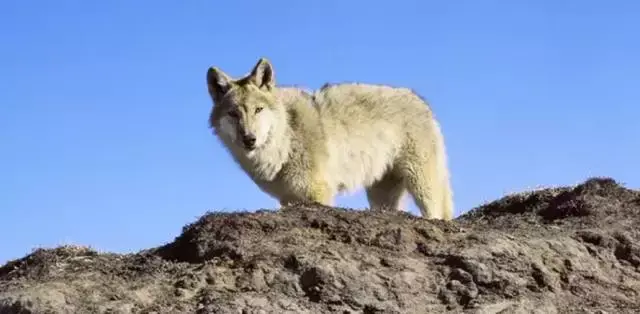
103	104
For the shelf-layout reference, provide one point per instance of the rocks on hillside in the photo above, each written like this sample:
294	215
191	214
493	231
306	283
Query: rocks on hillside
561	250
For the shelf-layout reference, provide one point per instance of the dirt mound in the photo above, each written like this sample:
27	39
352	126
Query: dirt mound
562	250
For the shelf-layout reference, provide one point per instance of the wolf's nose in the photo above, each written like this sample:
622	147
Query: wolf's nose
249	140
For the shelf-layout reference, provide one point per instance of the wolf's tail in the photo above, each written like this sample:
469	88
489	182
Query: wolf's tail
444	191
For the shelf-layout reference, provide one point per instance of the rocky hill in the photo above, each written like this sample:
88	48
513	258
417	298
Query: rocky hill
562	250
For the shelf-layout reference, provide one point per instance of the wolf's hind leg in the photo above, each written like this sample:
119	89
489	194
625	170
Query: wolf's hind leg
386	193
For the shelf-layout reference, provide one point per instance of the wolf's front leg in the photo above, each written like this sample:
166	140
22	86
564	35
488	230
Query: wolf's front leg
321	192
310	191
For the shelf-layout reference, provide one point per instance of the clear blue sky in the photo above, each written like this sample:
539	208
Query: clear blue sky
103	104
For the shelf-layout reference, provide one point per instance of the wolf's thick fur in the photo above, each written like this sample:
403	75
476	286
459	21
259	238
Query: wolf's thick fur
300	146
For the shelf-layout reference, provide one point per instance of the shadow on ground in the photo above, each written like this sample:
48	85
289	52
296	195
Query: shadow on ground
563	250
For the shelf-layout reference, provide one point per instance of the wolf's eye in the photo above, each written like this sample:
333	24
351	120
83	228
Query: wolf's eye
233	114
258	109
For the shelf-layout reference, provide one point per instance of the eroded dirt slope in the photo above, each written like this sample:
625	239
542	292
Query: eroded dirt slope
563	250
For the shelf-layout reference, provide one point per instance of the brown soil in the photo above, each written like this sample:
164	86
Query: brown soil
563	250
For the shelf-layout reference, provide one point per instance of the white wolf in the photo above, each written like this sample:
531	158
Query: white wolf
300	146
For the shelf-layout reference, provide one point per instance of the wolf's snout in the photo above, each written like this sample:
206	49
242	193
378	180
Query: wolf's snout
249	140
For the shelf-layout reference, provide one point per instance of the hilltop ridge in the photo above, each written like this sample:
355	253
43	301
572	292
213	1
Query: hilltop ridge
557	250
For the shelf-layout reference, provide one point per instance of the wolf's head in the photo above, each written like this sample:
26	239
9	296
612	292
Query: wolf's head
244	110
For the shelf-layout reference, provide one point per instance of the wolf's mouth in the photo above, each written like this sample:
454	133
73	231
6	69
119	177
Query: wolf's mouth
247	146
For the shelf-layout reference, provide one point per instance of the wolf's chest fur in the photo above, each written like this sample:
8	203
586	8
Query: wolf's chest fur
265	166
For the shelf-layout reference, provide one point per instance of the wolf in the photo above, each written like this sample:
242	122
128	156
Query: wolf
308	146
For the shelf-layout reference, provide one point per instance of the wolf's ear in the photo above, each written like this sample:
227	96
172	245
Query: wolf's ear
218	82
262	74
